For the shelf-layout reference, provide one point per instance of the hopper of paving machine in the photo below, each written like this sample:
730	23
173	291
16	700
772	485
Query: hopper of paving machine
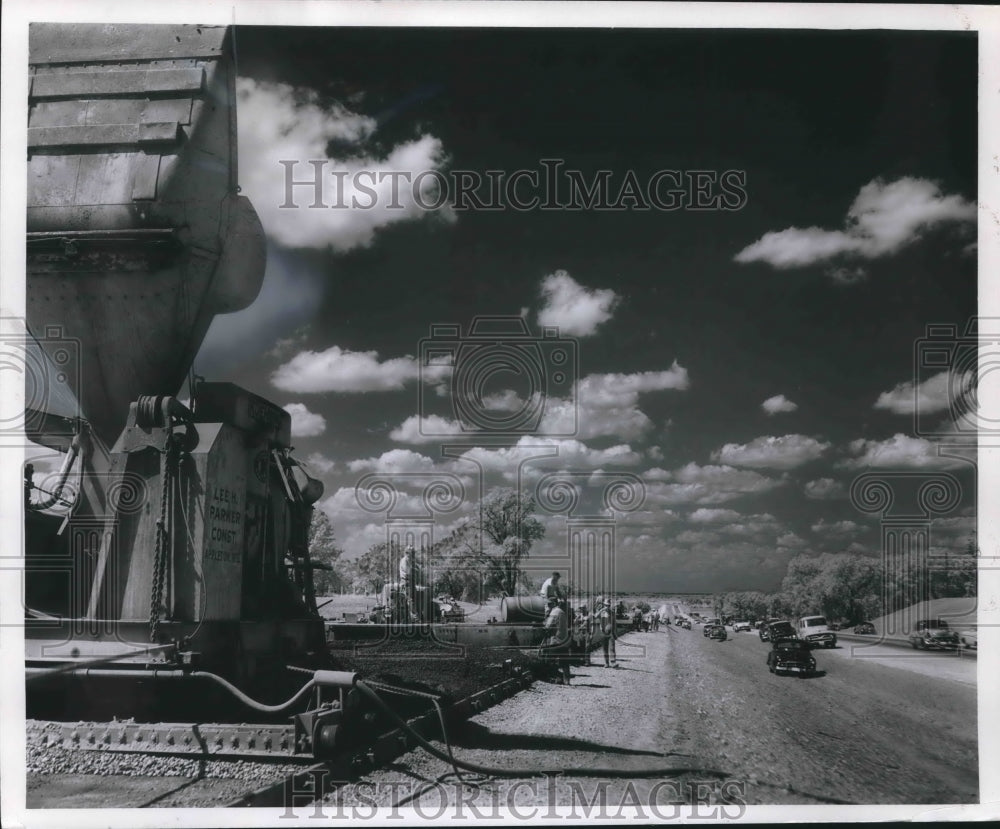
136	238
136	233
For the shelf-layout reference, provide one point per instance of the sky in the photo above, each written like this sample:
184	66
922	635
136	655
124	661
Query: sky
735	340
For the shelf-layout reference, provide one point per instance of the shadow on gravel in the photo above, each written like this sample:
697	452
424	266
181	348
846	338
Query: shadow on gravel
637	670
587	685
189	781
819	798
474	735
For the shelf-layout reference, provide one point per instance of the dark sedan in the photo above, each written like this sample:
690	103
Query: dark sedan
717	632
791	656
773	631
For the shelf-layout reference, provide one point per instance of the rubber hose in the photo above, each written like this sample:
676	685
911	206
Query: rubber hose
252	703
508	772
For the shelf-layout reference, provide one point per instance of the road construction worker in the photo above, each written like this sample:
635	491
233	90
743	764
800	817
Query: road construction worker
604	620
551	587
556	644
409	575
583	633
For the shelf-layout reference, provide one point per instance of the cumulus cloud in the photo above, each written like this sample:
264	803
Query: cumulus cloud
601	405
929	397
656	474
395	460
607	405
834	528
358	529
714	516
824	489
689	537
883	219
341	370
318	463
305	424
531	455
778	404
787	452
430	429
762	524
898	452
791	541
577	311
606	389
708	485
283	123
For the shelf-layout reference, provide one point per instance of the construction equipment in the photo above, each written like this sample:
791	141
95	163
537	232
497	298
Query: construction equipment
171	546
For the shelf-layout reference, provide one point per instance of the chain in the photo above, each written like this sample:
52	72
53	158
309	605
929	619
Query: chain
162	537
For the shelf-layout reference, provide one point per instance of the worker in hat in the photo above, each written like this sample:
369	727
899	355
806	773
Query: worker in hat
604	620
409	578
583	633
551	587
556	644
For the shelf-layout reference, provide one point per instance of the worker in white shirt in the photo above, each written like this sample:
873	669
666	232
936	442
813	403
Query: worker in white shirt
551	587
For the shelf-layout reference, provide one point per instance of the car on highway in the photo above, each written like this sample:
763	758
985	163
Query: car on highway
814	631
686	624
775	630
969	638
933	634
716	632
864	629
764	630
738	626
790	656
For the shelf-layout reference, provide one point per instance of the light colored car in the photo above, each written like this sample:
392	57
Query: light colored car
738	626
969	638
814	631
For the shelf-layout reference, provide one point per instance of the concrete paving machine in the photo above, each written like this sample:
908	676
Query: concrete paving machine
167	561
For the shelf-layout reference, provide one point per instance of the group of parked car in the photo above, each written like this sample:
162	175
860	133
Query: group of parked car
792	643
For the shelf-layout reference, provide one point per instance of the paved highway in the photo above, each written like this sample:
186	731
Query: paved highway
887	730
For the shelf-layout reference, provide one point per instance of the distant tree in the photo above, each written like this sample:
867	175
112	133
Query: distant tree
956	574
374	565
507	530
323	550
741	605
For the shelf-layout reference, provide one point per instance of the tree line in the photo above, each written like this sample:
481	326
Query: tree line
851	588
480	559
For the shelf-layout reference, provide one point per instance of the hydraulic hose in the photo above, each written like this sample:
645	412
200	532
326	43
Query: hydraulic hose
252	703
664	771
